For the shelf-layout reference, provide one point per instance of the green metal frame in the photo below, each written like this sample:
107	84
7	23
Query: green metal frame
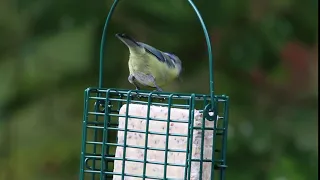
100	123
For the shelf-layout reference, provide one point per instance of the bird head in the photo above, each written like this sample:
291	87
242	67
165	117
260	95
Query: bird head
127	40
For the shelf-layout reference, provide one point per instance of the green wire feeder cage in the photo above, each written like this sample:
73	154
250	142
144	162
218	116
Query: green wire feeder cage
134	134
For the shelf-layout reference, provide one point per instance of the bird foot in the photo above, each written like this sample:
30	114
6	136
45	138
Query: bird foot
159	97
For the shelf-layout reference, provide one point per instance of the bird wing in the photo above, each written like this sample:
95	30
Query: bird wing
162	57
153	51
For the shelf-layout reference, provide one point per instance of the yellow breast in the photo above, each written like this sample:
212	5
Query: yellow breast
148	64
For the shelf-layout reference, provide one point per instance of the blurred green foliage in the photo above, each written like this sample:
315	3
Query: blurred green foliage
265	59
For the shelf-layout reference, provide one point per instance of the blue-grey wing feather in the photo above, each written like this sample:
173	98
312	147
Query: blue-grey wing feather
170	61
163	57
153	51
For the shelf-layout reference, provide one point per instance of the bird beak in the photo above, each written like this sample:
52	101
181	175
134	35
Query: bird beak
121	35
129	41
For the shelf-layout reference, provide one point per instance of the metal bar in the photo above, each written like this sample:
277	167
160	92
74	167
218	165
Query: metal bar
104	137
146	138
224	138
190	142
103	42
125	136
136	160
167	139
206	34
138	147
84	133
202	142
214	144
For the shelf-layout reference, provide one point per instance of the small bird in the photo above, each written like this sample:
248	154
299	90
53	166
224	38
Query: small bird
149	66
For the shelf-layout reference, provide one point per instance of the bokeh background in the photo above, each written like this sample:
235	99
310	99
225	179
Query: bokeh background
265	59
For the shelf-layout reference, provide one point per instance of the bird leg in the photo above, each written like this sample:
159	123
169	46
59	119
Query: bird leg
131	79
158	88
153	80
145	79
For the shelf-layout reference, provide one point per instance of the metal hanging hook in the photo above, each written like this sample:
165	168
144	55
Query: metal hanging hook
210	112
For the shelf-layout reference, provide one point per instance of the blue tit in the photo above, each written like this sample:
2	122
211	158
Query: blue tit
149	66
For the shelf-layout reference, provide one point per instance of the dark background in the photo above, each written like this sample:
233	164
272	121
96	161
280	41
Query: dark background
265	59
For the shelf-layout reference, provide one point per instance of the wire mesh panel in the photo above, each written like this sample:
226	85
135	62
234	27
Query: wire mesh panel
152	135
130	134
